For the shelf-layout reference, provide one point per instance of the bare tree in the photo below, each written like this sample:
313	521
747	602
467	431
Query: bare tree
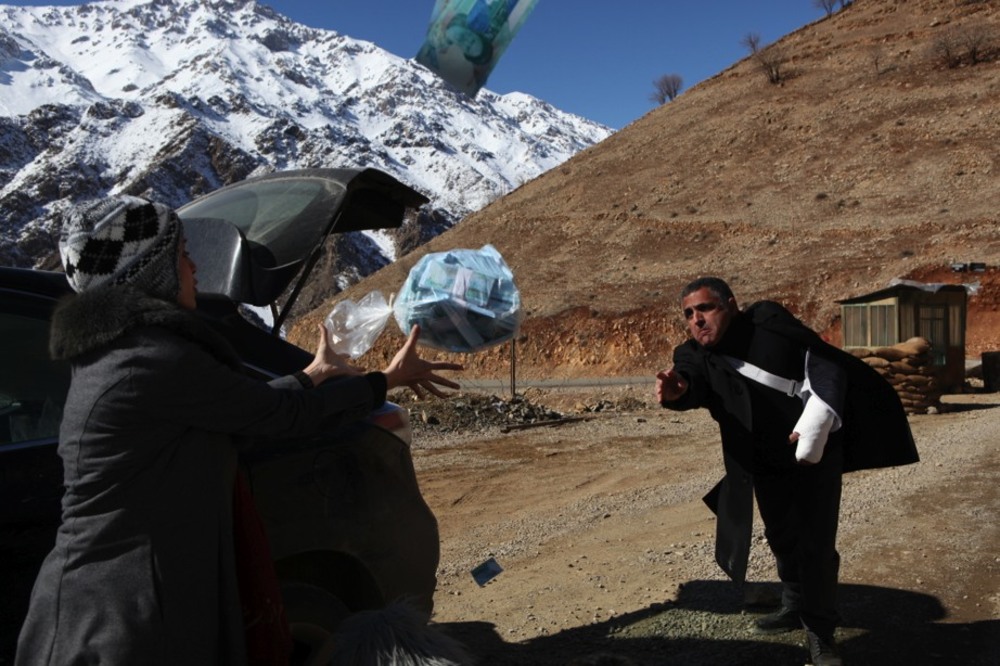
751	41
975	39
771	60
947	48
959	45
665	88
826	5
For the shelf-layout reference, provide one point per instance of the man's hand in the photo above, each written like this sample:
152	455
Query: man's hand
669	386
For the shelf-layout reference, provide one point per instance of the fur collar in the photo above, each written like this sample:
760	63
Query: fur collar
92	320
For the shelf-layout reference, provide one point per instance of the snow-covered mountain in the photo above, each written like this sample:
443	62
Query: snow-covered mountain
174	98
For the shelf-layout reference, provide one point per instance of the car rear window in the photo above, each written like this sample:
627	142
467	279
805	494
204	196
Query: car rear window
286	215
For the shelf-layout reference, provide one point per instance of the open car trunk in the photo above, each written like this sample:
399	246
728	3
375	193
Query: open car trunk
254	239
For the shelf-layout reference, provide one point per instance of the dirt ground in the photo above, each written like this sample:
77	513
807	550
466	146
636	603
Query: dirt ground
606	547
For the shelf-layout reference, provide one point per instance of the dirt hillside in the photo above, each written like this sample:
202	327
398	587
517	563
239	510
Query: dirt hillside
874	157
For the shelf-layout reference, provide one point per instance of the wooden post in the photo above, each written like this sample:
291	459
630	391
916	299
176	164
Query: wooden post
513	369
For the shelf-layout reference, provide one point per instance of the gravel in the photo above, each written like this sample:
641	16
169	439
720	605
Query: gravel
920	544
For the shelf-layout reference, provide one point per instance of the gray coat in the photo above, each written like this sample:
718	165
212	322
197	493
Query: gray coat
142	571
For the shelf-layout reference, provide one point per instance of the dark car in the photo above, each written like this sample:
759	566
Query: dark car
348	527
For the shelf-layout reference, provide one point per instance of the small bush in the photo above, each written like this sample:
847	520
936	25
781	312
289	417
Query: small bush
962	45
771	60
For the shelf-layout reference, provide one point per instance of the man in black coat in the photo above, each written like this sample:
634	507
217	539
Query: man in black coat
794	413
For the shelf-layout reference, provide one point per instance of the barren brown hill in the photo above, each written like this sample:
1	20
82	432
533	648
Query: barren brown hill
873	158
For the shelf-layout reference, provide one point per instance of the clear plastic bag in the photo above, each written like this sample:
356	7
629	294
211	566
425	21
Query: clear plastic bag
354	327
464	300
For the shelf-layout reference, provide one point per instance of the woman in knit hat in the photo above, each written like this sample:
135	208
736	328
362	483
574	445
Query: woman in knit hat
144	570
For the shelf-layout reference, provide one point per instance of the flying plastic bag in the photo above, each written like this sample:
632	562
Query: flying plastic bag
466	38
354	327
464	300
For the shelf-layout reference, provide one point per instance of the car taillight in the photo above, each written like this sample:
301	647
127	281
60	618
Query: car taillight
393	418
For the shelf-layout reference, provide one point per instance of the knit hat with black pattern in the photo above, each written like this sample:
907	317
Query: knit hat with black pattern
123	240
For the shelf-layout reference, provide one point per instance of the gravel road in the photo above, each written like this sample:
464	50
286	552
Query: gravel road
607	548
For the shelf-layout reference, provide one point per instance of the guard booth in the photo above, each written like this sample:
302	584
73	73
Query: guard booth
935	312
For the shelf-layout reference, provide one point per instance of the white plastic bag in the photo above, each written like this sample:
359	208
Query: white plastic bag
354	327
464	300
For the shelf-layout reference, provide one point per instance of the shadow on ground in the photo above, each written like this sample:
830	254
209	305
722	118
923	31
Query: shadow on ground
951	407
708	625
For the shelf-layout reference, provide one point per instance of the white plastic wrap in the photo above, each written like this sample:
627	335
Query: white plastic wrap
354	327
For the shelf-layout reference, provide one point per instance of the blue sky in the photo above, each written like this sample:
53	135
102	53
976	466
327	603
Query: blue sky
595	58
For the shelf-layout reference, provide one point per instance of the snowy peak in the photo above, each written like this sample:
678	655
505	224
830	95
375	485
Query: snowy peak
126	49
172	98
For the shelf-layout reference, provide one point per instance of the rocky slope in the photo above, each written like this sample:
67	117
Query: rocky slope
874	157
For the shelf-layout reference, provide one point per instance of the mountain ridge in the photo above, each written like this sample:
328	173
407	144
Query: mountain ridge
872	159
174	98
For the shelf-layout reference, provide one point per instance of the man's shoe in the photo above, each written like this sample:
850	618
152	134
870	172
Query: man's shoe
822	650
785	619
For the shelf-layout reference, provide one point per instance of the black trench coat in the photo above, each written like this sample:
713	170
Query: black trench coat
875	430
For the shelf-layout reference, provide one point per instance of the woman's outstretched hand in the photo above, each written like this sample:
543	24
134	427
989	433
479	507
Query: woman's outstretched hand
408	369
327	363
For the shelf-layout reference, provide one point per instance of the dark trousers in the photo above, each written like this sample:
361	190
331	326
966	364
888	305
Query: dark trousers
801	509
